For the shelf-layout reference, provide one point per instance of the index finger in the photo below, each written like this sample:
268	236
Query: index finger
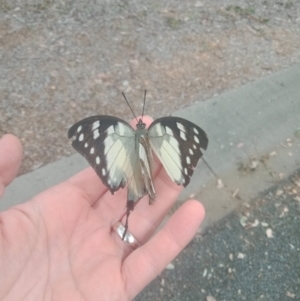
145	263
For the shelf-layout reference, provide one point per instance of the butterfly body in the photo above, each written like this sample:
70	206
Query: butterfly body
144	154
122	156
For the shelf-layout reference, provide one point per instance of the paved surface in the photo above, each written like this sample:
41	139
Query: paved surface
253	254
254	142
63	60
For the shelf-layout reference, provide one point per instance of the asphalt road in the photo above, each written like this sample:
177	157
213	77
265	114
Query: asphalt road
253	254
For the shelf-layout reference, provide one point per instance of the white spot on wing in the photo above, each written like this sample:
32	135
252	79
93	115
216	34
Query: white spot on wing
103	171
96	124
194	146
169	131
195	131
180	126
108	143
81	137
191	151
92	151
96	134
121	128
158	130
182	135
185	171
110	130
86	145
188	160
79	129
98	162
196	139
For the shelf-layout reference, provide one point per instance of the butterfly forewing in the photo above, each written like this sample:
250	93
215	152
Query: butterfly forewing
177	143
108	145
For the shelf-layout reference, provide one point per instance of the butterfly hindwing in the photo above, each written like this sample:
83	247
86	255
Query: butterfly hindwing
177	143
108	145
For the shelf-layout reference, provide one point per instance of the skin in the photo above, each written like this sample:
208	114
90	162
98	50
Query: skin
60	246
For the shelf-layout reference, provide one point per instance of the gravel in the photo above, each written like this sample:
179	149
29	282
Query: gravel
62	61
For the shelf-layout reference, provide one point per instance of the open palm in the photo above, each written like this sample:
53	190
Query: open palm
60	245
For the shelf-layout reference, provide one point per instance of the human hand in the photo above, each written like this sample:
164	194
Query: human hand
60	245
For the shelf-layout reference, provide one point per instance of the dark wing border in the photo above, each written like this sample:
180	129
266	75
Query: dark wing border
72	130
86	125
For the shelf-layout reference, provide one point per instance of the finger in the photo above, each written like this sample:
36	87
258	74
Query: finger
145	218
145	263
146	119
11	154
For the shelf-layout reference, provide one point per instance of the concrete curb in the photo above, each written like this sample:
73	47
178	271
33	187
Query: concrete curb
254	123
251	121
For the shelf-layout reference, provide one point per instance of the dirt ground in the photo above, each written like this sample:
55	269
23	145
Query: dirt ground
62	61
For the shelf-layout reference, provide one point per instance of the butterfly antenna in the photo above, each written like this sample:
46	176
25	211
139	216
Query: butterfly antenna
144	103
129	106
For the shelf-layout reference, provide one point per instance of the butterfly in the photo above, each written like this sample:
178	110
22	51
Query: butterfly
122	156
